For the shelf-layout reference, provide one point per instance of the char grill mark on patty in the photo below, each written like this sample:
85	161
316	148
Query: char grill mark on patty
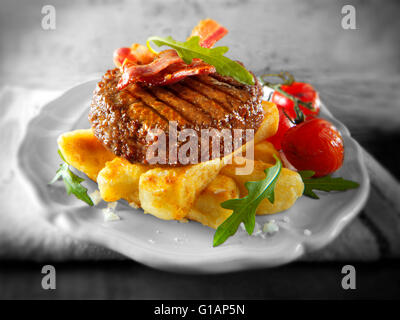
156	105
146	117
218	114
228	102
226	87
186	109
249	95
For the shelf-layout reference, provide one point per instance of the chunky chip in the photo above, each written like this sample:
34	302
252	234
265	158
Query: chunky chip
207	208
269	126
288	189
265	152
169	193
82	150
119	179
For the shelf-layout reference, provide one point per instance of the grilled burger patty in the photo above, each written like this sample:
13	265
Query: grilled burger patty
121	119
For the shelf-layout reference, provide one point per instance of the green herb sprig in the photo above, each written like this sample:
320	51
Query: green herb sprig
72	182
244	209
326	184
191	49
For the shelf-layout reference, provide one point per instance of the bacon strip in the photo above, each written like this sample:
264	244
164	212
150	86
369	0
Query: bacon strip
176	72
209	31
133	72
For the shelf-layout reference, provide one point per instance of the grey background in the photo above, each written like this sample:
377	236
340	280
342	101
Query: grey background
302	36
356	71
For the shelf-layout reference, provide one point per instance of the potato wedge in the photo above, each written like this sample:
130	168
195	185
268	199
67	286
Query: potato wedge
84	152
119	179
169	193
269	126
207	208
288	189
265	151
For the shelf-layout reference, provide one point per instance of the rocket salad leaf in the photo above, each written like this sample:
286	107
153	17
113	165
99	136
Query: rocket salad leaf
191	49
326	184
244	209
72	182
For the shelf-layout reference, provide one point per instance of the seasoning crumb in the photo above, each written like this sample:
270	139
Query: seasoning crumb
178	240
286	219
271	227
257	233
110	215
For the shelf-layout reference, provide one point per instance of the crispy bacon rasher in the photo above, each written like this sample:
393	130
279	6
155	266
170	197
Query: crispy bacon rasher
132	72
209	31
173	73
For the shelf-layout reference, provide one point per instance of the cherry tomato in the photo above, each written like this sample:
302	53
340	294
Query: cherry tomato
314	145
303	91
284	125
121	54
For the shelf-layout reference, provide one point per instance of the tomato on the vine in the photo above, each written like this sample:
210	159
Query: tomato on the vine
304	92
314	145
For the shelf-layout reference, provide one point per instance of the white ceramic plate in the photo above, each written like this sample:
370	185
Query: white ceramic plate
170	245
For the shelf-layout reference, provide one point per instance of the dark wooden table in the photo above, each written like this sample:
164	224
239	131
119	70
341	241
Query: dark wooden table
356	71
130	280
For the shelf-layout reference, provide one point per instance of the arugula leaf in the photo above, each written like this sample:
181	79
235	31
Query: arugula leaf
244	209
191	49
325	184
72	182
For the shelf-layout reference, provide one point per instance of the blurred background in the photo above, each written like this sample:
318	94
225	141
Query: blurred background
357	73
356	70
